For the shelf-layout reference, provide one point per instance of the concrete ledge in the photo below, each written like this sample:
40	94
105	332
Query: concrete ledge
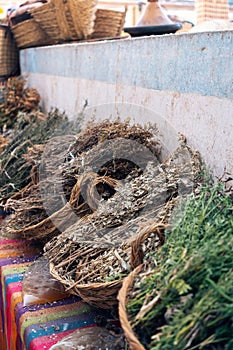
186	63
185	80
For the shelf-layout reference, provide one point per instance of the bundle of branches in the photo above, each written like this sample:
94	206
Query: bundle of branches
67	261
26	209
101	148
183	298
149	197
95	133
29	130
79	173
17	98
144	193
32	220
95	271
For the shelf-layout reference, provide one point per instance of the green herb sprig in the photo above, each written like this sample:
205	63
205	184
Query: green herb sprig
192	280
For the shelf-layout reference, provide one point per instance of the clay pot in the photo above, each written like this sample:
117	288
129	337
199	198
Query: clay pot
154	15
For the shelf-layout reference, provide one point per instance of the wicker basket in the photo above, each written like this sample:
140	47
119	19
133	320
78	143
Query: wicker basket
101	295
9	54
88	284
130	336
108	23
29	34
83	13
90	266
66	20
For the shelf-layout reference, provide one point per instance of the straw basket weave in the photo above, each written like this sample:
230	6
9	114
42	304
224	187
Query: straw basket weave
9	53
29	34
66	20
101	295
90	273
147	240
94	261
131	337
108	23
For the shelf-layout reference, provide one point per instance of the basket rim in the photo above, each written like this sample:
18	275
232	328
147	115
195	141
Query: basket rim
21	24
28	34
101	295
131	337
97	285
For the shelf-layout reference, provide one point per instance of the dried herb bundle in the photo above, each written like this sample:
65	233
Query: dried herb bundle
26	209
31	220
91	153
17	98
118	222
95	133
183	300
29	130
77	170
143	194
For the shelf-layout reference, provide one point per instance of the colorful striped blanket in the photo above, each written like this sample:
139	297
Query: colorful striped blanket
34	327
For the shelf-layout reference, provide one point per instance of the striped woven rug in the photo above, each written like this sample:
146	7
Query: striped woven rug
34	327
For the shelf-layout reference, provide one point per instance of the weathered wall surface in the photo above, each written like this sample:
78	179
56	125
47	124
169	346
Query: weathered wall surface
183	82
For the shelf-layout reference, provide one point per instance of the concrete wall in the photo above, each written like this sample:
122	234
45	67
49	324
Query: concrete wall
182	82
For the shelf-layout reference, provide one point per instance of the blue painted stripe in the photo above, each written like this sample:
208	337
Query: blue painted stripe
57	326
199	63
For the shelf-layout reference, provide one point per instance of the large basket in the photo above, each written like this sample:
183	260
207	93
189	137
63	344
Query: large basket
108	23
28	33
130	336
89	286
9	54
90	266
101	295
66	20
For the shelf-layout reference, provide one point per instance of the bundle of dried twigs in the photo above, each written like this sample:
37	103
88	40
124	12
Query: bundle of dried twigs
17	98
30	132
85	172
117	226
95	272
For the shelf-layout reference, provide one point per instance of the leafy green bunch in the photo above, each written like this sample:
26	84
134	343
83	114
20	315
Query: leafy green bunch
186	301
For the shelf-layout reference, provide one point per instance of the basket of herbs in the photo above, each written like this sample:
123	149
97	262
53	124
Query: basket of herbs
181	297
92	257
83	169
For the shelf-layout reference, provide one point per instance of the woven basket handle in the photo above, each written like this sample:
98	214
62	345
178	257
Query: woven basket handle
137	254
122	298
